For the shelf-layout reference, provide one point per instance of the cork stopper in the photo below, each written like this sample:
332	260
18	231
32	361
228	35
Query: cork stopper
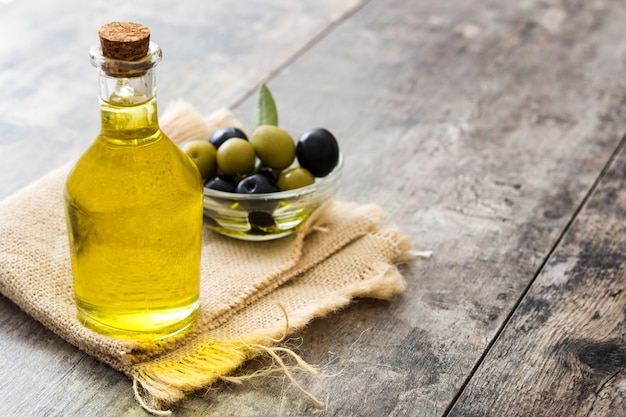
124	41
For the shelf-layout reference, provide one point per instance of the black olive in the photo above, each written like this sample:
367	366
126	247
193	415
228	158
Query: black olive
261	220
269	174
221	183
318	151
223	134
256	184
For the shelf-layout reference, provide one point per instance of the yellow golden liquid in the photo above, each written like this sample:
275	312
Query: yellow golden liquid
134	214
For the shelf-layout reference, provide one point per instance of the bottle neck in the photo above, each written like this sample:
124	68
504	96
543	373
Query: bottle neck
133	124
127	91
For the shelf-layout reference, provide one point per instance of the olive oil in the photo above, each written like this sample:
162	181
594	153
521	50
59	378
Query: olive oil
134	217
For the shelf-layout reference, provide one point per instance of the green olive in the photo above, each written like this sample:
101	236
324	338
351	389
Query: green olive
274	146
295	178
235	157
202	153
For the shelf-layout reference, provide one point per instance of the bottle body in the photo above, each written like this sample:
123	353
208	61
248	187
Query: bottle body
134	215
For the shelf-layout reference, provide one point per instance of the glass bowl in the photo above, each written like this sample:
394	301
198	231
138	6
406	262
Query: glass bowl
269	216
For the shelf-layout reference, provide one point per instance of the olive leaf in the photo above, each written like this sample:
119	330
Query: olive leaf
266	113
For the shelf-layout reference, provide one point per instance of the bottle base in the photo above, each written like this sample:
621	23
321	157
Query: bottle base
138	324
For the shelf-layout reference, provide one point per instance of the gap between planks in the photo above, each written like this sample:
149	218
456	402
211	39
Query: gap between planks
306	47
508	318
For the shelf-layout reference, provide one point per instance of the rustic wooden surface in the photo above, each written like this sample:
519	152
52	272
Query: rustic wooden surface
563	352
490	131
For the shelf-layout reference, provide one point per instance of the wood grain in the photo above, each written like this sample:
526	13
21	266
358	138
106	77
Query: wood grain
479	126
564	350
215	53
468	133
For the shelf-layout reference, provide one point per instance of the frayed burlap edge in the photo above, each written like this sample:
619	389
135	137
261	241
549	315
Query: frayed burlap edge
165	379
163	383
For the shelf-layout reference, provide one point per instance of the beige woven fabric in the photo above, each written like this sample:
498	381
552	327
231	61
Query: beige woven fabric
340	254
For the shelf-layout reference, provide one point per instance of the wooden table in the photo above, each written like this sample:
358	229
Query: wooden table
490	131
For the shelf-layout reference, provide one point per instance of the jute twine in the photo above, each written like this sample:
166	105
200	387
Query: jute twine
253	294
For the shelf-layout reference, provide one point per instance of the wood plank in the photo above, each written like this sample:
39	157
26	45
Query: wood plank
480	127
564	350
481	135
215	53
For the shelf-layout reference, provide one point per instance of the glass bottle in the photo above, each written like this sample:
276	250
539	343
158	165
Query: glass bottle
133	205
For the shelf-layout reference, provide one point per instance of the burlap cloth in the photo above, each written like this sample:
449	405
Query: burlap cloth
252	294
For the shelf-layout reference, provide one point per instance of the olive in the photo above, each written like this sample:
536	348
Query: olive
256	184
235	157
202	153
274	146
261	220
223	134
295	178
269	174
318	151
221	183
